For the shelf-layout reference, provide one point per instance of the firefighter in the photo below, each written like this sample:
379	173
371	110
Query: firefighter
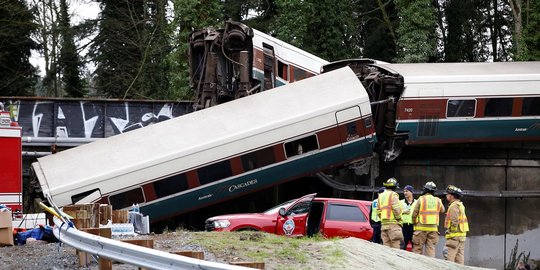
426	220
375	221
407	204
456	225
389	211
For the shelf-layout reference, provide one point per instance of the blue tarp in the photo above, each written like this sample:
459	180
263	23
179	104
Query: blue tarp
44	233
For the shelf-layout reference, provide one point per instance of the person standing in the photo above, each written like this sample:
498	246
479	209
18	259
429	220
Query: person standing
389	211
426	220
407	204
456	225
375	221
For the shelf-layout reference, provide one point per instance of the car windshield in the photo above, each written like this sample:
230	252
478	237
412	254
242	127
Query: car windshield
275	209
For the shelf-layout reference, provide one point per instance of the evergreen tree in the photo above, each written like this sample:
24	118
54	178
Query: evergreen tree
69	62
292	27
331	30
531	35
128	49
325	29
266	12
17	75
376	26
462	36
417	41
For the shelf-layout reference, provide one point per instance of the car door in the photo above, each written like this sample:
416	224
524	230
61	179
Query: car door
346	220
293	222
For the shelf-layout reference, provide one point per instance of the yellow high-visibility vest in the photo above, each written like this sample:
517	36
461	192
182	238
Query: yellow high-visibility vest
407	218
463	225
384	207
428	214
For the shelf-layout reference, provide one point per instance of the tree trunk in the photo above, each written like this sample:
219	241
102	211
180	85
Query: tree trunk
516	11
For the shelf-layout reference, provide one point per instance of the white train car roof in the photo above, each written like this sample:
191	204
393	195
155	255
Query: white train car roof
289	53
468	79
203	136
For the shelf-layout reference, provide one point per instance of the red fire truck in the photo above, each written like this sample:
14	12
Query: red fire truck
10	162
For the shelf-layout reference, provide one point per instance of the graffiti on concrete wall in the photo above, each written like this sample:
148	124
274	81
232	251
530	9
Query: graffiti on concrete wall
88	118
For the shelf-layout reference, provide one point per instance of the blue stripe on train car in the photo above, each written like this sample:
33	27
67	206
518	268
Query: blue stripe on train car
258	179
471	130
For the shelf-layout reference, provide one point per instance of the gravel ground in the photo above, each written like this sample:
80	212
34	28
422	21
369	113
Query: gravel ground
54	256
357	254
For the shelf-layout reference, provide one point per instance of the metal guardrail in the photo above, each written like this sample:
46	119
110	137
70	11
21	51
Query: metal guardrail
124	252
131	254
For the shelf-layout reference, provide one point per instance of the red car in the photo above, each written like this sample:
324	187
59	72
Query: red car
305	216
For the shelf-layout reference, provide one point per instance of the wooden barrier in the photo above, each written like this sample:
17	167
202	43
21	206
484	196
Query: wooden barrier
84	215
85	258
105	213
256	265
120	216
190	253
147	243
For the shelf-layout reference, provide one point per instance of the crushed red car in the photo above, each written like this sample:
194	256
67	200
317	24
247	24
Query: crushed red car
304	216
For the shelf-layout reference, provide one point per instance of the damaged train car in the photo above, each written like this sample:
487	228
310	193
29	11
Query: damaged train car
212	155
439	103
237	61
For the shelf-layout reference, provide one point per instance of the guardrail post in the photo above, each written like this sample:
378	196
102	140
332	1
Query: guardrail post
256	265
190	253
104	264
147	243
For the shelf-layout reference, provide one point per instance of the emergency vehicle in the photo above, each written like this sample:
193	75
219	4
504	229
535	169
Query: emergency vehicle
10	162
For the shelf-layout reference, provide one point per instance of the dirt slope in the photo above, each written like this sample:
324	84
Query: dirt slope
276	252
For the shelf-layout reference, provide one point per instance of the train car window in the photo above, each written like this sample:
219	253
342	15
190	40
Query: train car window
170	185
298	74
531	106
351	129
257	159
461	108
367	122
214	172
301	146
76	198
283	70
126	198
498	107
343	212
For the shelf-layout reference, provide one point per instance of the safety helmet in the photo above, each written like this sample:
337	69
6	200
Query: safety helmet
430	187
451	189
391	183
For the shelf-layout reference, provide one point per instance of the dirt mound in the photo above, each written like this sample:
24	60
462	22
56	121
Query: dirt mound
277	252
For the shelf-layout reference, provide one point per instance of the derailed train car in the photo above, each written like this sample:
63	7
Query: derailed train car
237	61
218	153
438	103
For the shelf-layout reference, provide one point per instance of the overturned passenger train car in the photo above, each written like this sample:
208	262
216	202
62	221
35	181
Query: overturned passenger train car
218	153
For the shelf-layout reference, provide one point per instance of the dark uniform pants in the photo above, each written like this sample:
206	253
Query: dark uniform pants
408	230
376	233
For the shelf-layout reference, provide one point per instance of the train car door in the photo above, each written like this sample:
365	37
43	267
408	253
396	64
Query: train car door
350	130
269	60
